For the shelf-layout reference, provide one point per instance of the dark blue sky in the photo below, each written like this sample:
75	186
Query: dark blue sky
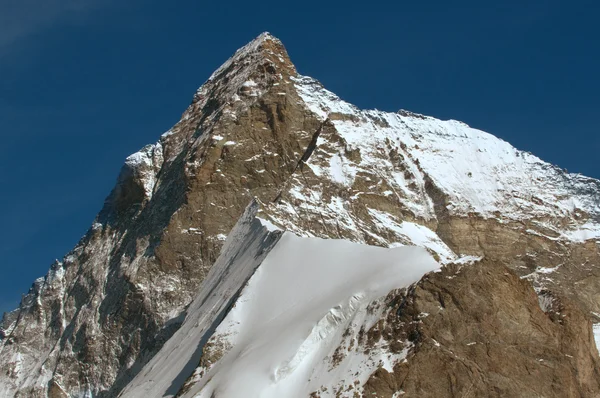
84	83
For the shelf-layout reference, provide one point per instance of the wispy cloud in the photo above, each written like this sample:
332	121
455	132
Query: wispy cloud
20	19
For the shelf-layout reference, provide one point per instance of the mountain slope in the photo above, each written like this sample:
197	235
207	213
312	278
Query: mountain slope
101	313
320	168
303	296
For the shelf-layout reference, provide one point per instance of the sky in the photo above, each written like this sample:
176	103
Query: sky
84	83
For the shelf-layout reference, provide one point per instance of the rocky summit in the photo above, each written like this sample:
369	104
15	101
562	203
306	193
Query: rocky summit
280	242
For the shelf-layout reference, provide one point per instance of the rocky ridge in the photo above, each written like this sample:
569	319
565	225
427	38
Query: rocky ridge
319	167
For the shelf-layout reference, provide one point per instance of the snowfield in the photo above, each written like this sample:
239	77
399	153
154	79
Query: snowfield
279	338
289	320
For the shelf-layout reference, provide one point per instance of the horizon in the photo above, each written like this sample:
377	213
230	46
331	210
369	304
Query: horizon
85	86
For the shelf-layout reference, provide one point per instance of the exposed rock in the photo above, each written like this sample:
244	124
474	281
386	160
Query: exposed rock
478	331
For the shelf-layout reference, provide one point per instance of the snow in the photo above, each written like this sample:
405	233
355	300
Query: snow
235	85
295	301
546	302
596	330
145	165
167	134
416	234
268	224
193	231
249	48
467	259
249	83
479	173
586	232
137	158
341	171
290	315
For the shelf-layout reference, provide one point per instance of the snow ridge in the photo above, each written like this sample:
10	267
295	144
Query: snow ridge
280	337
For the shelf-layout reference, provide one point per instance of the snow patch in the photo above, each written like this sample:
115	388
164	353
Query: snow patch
596	330
145	165
414	234
268	225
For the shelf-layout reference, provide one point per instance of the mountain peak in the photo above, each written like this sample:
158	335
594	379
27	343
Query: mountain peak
160	296
265	36
264	49
260	63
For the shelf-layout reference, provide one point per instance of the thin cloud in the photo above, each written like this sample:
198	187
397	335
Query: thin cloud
20	19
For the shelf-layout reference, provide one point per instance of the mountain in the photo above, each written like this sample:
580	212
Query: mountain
278	241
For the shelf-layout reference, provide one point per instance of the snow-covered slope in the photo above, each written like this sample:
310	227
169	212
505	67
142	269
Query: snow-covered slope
404	155
308	296
281	338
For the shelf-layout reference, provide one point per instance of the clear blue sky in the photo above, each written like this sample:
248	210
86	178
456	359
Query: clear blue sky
84	83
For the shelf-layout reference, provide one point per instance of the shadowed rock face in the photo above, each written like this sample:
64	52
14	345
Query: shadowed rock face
257	129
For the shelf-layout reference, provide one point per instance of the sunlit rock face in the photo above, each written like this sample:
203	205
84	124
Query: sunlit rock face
194	229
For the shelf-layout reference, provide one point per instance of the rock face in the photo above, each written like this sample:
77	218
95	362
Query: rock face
480	330
510	314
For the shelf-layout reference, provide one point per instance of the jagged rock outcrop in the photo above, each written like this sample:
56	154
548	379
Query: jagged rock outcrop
319	167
